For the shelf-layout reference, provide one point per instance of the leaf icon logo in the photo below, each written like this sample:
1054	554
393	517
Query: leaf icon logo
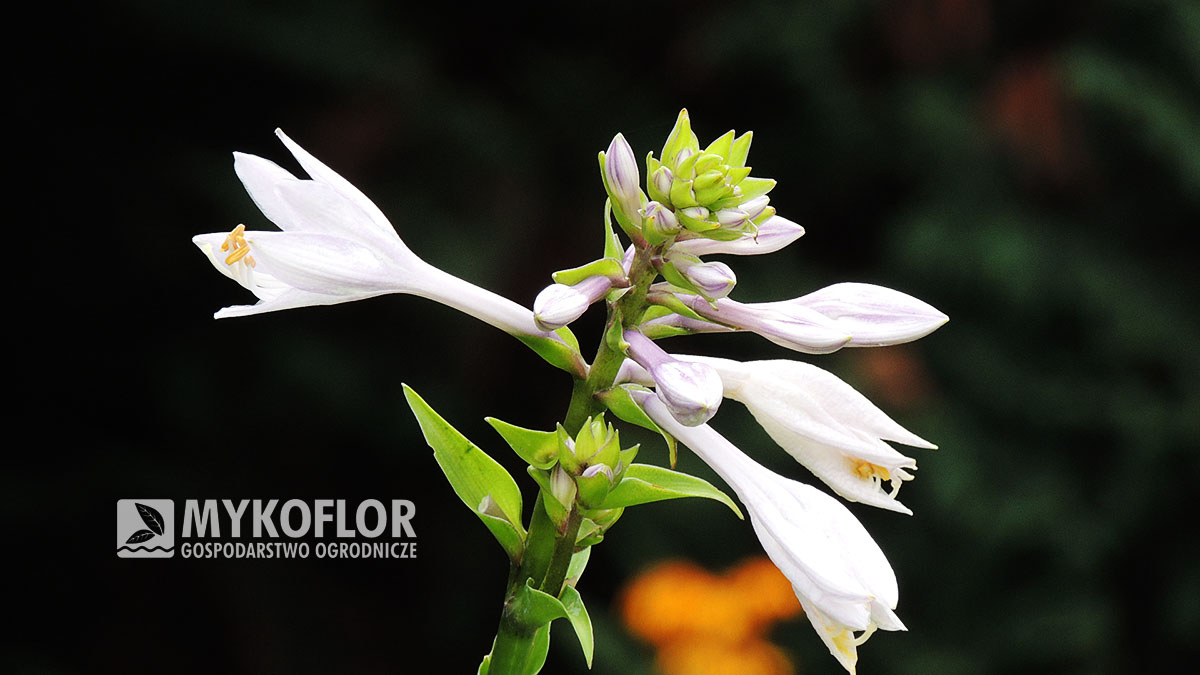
153	520
139	536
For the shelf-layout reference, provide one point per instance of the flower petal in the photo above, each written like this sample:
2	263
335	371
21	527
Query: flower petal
317	207
260	176
323	263
323	174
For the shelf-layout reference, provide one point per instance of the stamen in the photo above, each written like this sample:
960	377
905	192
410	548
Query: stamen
238	254
236	240
865	469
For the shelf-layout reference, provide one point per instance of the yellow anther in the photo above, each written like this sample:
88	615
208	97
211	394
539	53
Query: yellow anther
865	469
238	254
236	240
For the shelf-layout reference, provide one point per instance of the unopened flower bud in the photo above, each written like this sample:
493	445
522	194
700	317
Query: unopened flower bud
594	485
558	305
691	391
562	487
695	218
712	279
659	223
753	208
621	177
733	218
660	184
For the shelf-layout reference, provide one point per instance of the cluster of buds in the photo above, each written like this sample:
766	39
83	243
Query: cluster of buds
693	193
593	460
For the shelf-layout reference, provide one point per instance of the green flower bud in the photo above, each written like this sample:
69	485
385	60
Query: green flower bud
594	484
596	443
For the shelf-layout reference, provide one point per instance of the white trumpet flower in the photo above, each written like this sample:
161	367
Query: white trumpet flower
334	246
840	575
821	421
828	426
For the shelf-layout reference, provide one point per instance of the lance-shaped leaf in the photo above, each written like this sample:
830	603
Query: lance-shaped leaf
539	448
557	354
531	607
537	653
478	480
604	267
580	621
578	563
645	483
623	406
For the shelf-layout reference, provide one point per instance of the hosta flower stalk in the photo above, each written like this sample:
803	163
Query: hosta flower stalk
334	245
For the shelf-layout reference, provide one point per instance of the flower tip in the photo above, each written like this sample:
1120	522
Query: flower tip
558	305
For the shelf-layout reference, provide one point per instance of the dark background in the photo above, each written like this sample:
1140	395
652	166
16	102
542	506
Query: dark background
1030	168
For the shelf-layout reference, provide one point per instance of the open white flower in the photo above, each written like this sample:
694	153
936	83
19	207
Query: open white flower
830	428
334	246
840	575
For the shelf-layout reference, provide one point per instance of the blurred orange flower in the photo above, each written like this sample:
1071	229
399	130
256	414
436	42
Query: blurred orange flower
705	623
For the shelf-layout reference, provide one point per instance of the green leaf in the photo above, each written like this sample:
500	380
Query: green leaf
580	621
568	337
756	187
660	331
531	607
539	448
556	353
677	278
578	563
623	406
645	483
484	665
539	650
676	305
474	475
612	243
604	267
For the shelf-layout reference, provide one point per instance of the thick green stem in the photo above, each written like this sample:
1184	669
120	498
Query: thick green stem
564	548
548	548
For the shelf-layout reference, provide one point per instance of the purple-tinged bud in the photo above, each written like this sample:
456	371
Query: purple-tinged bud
558	304
695	218
873	315
753	208
712	279
562	487
774	234
733	218
791	326
660	183
621	177
659	223
691	393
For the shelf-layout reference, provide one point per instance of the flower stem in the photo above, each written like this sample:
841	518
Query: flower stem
548	547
